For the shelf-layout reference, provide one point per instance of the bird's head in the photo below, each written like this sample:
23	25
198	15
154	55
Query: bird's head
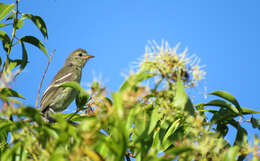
79	57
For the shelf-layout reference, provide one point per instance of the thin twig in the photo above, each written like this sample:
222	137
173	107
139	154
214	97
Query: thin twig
46	69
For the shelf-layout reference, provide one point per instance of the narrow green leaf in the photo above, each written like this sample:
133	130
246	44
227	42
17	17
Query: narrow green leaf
2	25
133	80
255	123
118	104
24	60
34	41
19	24
5	39
11	65
72	84
241	136
171	130
179	150
50	132
131	116
231	154
155	117
10	153
10	17
57	156
227	96
8	92
5	9
223	115
222	129
32	113
156	140
233	112
78	117
4	98
5	126
38	21
248	111
181	99
81	100
222	103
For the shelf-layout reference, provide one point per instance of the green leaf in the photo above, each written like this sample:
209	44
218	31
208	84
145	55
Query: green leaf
179	150
34	41
241	136
78	117
72	84
10	17
222	103
88	124
38	21
255	123
231	107
24	60
248	111
82	99
131	116
11	152
181	99
231	154
50	132
12	64
57	156
133	80
2	25
5	127
155	117
5	39
32	113
8	92
19	24
118	104
171	130
222	129
223	115
227	96
4	98
5	9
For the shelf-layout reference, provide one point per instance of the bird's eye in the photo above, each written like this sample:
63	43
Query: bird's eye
80	54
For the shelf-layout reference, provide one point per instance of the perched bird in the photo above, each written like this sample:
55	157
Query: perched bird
58	99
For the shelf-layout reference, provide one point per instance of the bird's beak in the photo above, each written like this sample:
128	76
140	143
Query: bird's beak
89	56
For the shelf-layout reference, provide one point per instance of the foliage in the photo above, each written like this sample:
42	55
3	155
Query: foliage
137	122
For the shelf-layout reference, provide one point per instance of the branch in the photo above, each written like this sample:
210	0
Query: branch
46	69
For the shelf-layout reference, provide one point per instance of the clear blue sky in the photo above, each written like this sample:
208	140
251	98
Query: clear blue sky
224	34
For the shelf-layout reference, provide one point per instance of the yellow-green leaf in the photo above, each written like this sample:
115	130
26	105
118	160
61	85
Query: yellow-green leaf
5	9
8	92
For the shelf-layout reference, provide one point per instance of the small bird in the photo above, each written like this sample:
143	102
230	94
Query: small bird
58	99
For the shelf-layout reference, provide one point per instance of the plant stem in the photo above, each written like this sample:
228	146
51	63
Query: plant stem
46	69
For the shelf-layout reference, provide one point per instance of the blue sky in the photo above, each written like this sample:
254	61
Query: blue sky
224	34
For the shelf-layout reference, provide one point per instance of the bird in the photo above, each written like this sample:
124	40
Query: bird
57	99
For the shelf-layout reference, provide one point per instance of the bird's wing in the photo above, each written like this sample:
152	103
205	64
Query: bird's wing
64	75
